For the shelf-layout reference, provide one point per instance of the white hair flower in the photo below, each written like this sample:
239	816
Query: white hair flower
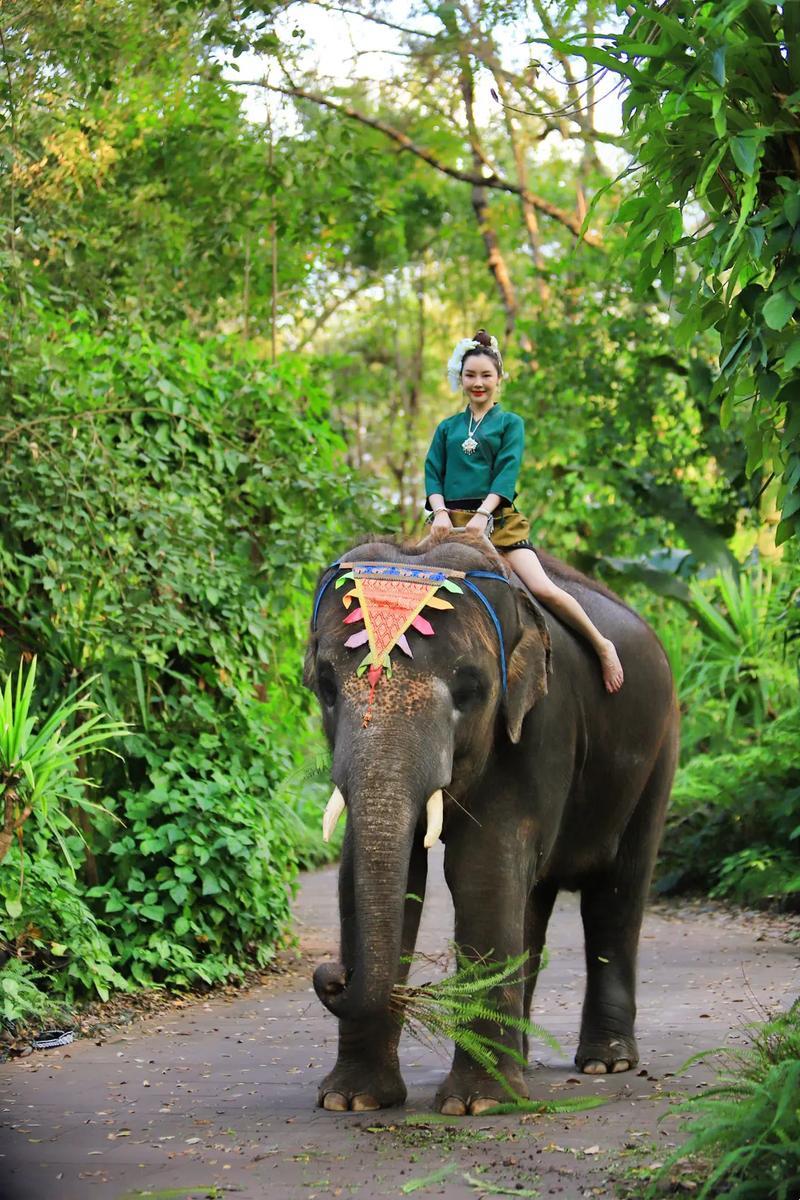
457	358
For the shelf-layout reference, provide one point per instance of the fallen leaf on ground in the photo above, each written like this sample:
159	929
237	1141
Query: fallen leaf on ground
415	1185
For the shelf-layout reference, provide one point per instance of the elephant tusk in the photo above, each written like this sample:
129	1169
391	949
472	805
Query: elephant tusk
333	810
435	808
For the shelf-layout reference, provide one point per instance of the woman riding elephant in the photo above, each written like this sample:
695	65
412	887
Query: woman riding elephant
471	472
478	714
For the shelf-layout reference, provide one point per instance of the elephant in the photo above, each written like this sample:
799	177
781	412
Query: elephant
498	732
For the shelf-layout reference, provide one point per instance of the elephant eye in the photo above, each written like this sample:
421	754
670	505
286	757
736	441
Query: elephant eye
467	688
326	685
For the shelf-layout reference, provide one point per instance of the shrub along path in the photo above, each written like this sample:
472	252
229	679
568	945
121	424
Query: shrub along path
217	1098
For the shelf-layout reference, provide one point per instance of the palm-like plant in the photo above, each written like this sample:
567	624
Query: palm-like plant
745	1131
39	756
462	1006
464	1009
741	661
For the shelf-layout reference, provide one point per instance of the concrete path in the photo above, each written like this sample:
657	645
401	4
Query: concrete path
218	1098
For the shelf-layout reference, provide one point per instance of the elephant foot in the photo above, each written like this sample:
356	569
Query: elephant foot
606	1056
351	1089
472	1093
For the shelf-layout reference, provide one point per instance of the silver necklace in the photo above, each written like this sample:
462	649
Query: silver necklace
470	445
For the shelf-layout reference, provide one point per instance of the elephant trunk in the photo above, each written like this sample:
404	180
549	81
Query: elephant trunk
380	832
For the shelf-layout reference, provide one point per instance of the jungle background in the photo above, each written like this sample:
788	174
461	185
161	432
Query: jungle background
238	242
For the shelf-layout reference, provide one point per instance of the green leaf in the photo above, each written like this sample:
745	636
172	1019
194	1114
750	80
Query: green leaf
13	907
596	55
791	207
778	310
427	1181
744	149
718	64
154	912
792	356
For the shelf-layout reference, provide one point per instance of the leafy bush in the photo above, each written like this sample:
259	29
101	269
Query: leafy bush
54	931
198	879
734	824
23	997
165	511
741	660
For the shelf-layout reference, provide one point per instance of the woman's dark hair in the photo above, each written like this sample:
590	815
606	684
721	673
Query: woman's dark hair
484	347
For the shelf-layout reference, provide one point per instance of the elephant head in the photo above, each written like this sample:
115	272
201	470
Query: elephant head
407	749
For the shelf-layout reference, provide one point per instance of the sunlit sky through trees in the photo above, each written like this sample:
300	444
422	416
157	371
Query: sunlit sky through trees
337	46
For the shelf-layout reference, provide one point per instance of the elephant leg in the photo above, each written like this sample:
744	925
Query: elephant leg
367	1072
612	906
612	913
537	916
489	888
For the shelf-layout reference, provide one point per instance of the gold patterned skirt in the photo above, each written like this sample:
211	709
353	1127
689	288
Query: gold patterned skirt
511	530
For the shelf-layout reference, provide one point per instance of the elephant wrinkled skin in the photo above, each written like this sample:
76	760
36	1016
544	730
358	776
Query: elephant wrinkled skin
554	784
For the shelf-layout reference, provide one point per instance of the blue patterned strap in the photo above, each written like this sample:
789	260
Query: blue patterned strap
323	587
487	604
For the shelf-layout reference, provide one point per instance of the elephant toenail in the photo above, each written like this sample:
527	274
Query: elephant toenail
364	1103
482	1104
621	1064
454	1107
334	1102
593	1067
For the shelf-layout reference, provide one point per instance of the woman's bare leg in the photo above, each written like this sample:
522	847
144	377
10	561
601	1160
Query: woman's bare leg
526	564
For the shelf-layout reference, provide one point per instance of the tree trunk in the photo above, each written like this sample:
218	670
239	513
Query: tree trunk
480	205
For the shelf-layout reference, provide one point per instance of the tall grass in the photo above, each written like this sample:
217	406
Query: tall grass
745	1131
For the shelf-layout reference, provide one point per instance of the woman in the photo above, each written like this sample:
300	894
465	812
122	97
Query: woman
470	479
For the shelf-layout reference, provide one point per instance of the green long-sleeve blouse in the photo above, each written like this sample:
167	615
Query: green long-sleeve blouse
493	467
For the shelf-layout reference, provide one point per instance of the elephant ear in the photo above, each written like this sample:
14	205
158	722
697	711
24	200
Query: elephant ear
310	664
528	666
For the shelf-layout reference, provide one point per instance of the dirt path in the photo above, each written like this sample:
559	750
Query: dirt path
218	1099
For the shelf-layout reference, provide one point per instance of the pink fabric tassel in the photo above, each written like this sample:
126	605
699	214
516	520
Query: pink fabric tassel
355	615
402	642
357	639
422	626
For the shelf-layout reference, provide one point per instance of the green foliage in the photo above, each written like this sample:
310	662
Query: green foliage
54	932
645	459
711	109
195	886
734	823
39	767
745	1131
734	819
22	997
741	661
165	503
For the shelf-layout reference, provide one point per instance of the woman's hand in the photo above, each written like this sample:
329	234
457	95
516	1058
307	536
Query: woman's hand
442	520
479	523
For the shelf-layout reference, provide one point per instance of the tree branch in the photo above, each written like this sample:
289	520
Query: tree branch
480	204
354	12
567	219
328	312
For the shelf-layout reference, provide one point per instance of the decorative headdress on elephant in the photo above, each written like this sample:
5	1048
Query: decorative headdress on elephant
390	597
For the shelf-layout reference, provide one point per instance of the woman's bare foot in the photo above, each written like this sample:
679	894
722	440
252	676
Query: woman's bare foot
611	666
